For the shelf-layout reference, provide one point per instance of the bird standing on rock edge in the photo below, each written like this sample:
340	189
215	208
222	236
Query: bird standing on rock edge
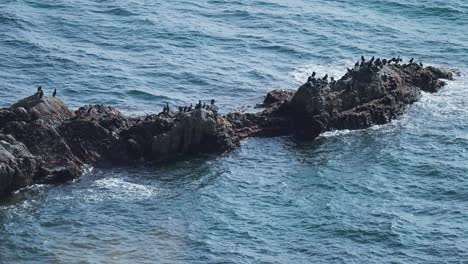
54	93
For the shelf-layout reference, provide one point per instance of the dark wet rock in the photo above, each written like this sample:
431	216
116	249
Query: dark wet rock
43	141
88	141
161	138
106	116
363	97
17	165
277	97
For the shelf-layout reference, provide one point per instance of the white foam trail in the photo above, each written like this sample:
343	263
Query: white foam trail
118	188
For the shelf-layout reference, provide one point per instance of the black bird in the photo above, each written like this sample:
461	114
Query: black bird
411	61
212	101
377	62
203	106
363	59
372	59
325	78
167	107
384	61
185	108
41	94
54	93
189	108
313	74
181	109
309	79
39	88
420	64
164	109
357	64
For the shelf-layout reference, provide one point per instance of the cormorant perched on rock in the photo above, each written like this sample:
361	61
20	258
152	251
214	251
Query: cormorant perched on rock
411	61
313	74
212	101
420	64
372	60
203	106
363	59
377	62
39	88
325	78
41	93
357	64
189	108
164	109
167	107
198	106
185	108
54	93
181	109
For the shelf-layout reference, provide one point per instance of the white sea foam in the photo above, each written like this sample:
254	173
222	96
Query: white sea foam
118	188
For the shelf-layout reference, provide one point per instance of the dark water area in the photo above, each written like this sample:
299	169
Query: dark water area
396	193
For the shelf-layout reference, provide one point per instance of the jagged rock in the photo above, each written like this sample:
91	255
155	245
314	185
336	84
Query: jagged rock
363	97
51	110
277	97
163	138
88	141
17	165
42	140
106	116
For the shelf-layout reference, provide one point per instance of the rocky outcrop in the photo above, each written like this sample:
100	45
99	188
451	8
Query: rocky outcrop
42	140
45	142
366	95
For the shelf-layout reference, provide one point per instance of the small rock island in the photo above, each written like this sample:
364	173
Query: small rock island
43	141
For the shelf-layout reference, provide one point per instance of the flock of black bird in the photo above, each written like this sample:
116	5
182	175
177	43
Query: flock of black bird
373	65
189	108
166	108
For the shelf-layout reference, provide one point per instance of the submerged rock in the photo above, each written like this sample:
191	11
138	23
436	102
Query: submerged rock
43	141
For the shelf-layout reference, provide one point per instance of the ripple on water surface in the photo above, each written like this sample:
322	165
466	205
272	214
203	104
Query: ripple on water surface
389	194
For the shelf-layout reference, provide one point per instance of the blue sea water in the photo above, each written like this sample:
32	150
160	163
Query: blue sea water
396	193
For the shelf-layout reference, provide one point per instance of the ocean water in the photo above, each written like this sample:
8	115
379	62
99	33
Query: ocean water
396	193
